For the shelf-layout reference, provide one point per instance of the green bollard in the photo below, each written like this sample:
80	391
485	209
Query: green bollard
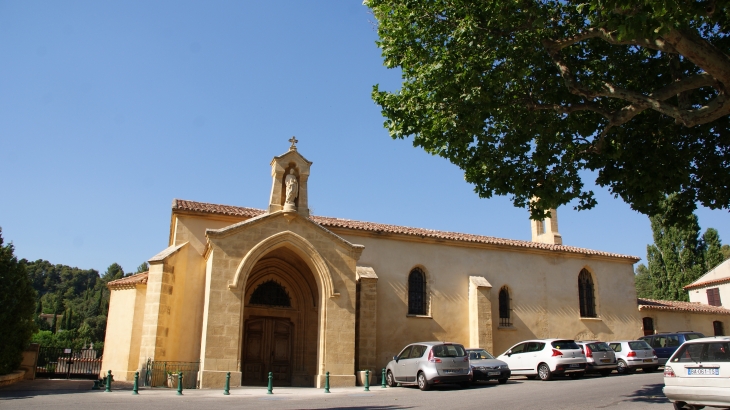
271	383
367	380
135	389
382	383
327	382
179	383
226	389
108	382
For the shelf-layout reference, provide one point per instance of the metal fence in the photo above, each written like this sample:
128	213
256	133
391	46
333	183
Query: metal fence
58	362
165	374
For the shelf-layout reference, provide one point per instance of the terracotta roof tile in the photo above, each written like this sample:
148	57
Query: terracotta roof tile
677	306
192	206
706	283
129	281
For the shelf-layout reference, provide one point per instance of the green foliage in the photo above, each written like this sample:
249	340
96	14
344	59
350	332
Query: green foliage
78	299
678	256
713	246
18	301
144	267
524	96
725	249
644	285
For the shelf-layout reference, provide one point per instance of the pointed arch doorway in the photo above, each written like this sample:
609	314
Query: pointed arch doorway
280	322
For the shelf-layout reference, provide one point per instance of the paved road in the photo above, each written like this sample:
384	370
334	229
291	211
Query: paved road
636	391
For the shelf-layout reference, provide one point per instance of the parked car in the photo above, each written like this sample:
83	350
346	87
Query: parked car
634	354
429	363
665	344
545	358
485	367
599	357
697	374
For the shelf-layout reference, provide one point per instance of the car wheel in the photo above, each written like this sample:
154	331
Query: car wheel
543	372
605	373
623	368
390	379
678	405
422	382
502	381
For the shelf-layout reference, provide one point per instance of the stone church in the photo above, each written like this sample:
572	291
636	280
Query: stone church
251	291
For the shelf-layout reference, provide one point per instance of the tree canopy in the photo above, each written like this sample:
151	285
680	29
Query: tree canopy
526	95
17	299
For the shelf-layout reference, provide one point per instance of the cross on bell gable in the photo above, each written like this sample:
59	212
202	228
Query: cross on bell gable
293	141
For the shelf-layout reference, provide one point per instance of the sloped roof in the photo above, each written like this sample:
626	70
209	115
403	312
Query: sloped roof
129	281
202	207
677	306
715	276
696	285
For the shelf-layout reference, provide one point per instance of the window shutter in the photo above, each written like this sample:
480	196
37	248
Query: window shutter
713	297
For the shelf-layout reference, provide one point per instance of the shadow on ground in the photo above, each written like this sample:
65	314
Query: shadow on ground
650	393
25	389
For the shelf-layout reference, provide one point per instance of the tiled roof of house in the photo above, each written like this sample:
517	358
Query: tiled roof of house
673	305
706	283
192	206
129	281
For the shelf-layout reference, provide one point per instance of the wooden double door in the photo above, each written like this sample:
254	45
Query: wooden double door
267	348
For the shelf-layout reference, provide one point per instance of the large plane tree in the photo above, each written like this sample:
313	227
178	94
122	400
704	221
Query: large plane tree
526	96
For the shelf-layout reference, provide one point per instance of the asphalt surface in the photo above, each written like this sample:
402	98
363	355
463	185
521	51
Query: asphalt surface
635	391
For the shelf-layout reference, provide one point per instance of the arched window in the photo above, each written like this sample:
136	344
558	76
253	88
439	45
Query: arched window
417	293
270	293
718	328
648	326
586	294
505	311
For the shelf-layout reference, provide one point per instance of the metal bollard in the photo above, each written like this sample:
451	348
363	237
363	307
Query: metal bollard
327	382
135	389
108	382
382	383
271	383
367	380
179	383
226	390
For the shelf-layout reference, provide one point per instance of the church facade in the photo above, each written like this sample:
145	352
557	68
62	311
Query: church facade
251	291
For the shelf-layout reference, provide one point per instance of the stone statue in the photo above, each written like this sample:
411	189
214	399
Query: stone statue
292	188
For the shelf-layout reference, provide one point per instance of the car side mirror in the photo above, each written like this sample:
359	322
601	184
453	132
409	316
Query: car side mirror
395	358
509	353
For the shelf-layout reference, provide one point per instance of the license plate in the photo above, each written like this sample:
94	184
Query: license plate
648	360
705	371
452	371
574	365
605	360
494	373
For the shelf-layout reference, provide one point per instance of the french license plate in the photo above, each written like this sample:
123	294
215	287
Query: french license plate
605	360
648	360
574	365
452	371
705	371
493	373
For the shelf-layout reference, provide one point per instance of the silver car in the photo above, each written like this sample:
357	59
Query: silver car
429	363
634	354
485	367
600	358
698	372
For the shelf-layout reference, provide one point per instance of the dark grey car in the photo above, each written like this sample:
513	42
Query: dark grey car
600	358
485	367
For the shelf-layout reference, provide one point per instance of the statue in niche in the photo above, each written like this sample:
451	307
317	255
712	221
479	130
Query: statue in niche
292	188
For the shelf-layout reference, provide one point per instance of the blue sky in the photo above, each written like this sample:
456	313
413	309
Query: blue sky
109	110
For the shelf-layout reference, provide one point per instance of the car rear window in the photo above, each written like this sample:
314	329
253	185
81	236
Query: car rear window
639	345
703	352
449	351
599	347
693	336
565	345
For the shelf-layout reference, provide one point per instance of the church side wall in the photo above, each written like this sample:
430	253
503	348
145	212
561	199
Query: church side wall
543	290
118	340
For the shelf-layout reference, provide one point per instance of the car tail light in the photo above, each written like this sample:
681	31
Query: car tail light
557	353
669	372
654	352
433	359
589	352
466	358
631	354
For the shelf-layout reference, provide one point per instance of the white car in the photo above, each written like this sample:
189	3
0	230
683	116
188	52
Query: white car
545	358
698	374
